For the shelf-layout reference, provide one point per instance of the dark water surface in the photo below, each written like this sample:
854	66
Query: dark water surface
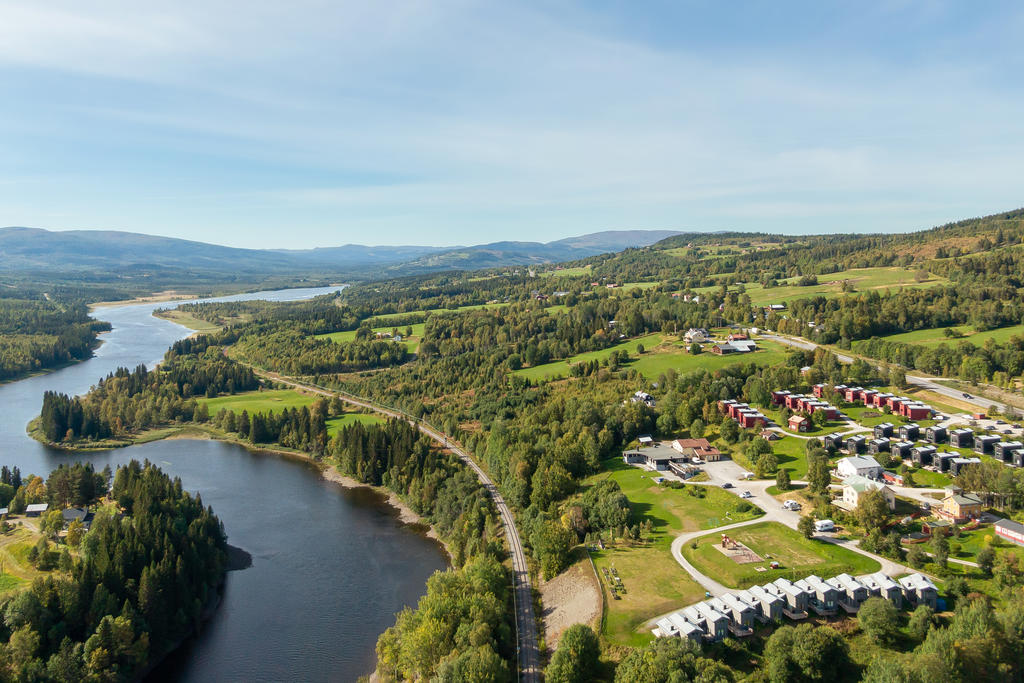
331	567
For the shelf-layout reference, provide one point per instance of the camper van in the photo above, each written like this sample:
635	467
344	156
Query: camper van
824	525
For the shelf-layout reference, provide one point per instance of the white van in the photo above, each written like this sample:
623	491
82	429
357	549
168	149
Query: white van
823	525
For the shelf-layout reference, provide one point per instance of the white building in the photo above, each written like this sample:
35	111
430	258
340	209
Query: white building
858	465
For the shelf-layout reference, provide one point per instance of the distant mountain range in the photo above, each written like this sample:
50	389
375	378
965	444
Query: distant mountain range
37	250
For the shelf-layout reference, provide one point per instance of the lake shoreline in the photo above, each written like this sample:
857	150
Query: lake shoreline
406	515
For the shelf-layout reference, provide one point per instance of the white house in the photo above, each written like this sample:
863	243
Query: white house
856	485
858	466
696	334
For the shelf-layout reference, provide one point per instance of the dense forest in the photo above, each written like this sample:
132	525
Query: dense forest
41	334
130	588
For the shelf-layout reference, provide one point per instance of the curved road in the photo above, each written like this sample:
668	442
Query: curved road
728	471
528	655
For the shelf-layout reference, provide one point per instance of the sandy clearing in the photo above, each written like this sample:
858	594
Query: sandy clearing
572	597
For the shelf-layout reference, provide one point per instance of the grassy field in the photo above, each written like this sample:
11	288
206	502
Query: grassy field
661	353
273	401
335	424
280	399
936	335
798	556
567	272
654	581
411	343
384	321
862	279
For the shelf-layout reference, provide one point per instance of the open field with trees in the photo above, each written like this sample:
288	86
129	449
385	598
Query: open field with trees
654	582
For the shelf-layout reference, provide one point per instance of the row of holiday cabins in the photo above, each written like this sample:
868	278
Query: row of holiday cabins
736	613
885	440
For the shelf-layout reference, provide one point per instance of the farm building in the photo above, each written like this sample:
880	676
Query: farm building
696	335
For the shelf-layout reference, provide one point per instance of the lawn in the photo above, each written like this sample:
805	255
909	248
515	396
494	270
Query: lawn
792	455
798	556
654	581
661	353
862	279
934	336
678	510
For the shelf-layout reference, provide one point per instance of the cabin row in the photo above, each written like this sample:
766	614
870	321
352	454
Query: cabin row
799	403
736	613
871	398
748	418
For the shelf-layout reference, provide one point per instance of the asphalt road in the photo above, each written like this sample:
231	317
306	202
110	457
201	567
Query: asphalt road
526	626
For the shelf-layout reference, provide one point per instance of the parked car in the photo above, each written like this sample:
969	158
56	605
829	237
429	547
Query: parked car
926	506
727	485
1007	431
791	505
966	395
746	494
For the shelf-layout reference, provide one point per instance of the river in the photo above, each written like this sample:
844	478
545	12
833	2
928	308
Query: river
331	566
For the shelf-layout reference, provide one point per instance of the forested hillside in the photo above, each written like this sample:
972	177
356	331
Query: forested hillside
37	334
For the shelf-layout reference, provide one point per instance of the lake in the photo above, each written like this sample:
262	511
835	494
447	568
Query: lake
331	566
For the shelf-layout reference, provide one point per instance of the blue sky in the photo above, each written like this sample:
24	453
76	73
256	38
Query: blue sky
301	124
